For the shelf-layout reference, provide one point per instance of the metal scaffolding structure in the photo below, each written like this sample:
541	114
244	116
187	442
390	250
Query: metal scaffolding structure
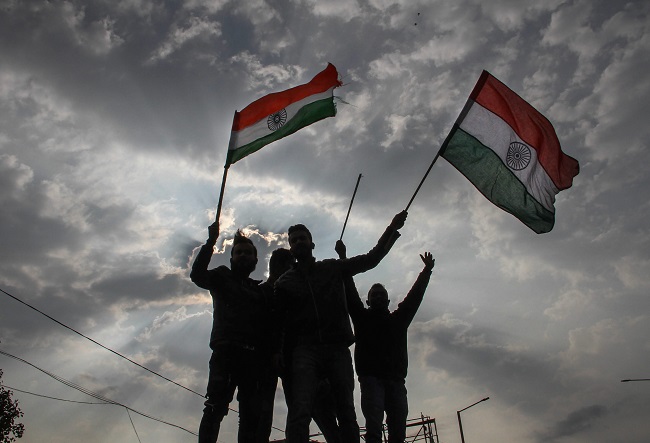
420	429
423	429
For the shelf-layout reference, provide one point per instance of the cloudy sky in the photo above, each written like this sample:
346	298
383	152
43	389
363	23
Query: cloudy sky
114	122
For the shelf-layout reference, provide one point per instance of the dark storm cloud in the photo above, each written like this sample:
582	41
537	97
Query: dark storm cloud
138	288
471	353
575	423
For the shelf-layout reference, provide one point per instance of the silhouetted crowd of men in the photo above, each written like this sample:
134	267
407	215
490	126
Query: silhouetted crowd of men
296	326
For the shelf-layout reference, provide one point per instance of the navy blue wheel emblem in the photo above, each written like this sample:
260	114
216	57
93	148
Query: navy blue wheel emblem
518	156
277	120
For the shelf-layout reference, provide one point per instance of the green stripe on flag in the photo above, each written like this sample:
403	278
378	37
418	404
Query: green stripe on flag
494	179
307	115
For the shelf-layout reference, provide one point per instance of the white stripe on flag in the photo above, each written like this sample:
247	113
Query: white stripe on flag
497	135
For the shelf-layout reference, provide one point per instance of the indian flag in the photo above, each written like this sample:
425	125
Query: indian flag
279	114
511	153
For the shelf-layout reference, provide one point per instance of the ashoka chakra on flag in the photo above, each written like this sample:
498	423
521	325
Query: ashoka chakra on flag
277	120
518	156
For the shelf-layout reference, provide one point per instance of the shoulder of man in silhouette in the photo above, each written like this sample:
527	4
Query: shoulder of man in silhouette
239	304
280	262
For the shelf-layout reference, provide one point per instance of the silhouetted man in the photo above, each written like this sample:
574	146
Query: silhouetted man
316	327
324	412
380	353
237	328
280	261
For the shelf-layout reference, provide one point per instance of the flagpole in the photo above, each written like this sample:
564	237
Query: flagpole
350	207
223	188
425	177
235	119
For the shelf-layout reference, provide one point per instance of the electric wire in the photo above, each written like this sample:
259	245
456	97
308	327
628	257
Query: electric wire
72	401
94	394
109	349
99	344
133	424
54	398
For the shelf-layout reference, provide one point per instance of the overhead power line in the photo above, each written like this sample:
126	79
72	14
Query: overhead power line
55	398
94	394
75	401
133	424
99	344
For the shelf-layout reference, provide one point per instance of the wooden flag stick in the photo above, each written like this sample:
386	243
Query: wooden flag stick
223	187
423	178
351	201
225	169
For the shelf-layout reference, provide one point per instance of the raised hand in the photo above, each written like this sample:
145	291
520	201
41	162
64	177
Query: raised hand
428	260
340	249
213	232
398	220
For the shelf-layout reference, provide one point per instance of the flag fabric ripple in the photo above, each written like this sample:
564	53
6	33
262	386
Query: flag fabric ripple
279	114
511	153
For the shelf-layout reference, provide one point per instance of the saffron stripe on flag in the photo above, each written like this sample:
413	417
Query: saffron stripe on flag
272	103
532	126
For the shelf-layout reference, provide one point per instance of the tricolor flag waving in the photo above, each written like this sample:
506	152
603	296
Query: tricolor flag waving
511	153
279	114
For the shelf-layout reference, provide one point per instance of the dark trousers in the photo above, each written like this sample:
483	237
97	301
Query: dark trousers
267	388
324	411
308	366
231	368
380	395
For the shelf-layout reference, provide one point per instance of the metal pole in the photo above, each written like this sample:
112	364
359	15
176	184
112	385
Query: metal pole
435	427
460	423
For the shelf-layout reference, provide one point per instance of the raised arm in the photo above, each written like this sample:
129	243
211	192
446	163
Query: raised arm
409	306
355	305
200	274
365	262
